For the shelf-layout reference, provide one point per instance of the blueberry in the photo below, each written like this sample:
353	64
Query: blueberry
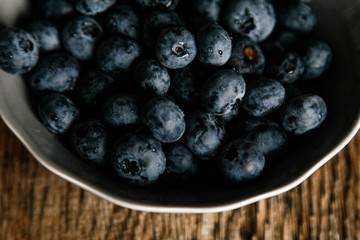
297	16
209	9
56	8
19	51
152	78
57	112
204	135
164	119
122	110
222	90
151	4
185	86
93	7
80	35
252	18
175	47
46	35
158	21
287	68
303	113
181	165
266	133
138	158
241	161
94	86
123	20
57	72
317	59
214	45
263	97
230	116
246	56
117	54
90	140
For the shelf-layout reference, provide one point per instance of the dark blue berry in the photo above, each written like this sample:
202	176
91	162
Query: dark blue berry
287	68
297	16
80	35
122	110
175	47
93	7
263	97
57	112
303	113
204	135
138	158
57	72
19	51
90	140
317	59
230	116
161	4
46	35
246	56
158	21
214	45
181	165
164	119
222	91
93	86
266	133
123	20
241	161
56	8
209	9
152	78
252	18
117	54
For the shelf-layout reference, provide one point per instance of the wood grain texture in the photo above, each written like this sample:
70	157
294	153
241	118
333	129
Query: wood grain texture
36	204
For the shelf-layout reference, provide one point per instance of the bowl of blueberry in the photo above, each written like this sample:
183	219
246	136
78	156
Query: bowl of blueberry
185	106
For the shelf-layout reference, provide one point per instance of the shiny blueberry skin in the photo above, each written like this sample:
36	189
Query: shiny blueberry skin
93	86
152	78
317	59
185	87
175	47
158	4
93	7
181	165
222	90
303	113
57	72
117	54
252	18
241	161
287	68
246	57
123	20
56	8
297	16
204	135
214	45
164	119
138	158
45	34
57	112
209	9
122	110
19	51
263	97
80	36
158	21
90	139
266	133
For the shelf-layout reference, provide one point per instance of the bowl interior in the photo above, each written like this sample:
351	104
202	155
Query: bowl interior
338	25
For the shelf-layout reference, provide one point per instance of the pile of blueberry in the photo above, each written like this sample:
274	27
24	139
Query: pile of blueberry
156	89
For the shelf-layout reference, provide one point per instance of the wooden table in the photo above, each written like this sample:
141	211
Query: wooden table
36	204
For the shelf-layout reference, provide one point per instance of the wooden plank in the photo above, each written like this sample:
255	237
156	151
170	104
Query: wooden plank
36	204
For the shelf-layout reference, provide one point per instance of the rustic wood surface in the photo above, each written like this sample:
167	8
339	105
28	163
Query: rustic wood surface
36	204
